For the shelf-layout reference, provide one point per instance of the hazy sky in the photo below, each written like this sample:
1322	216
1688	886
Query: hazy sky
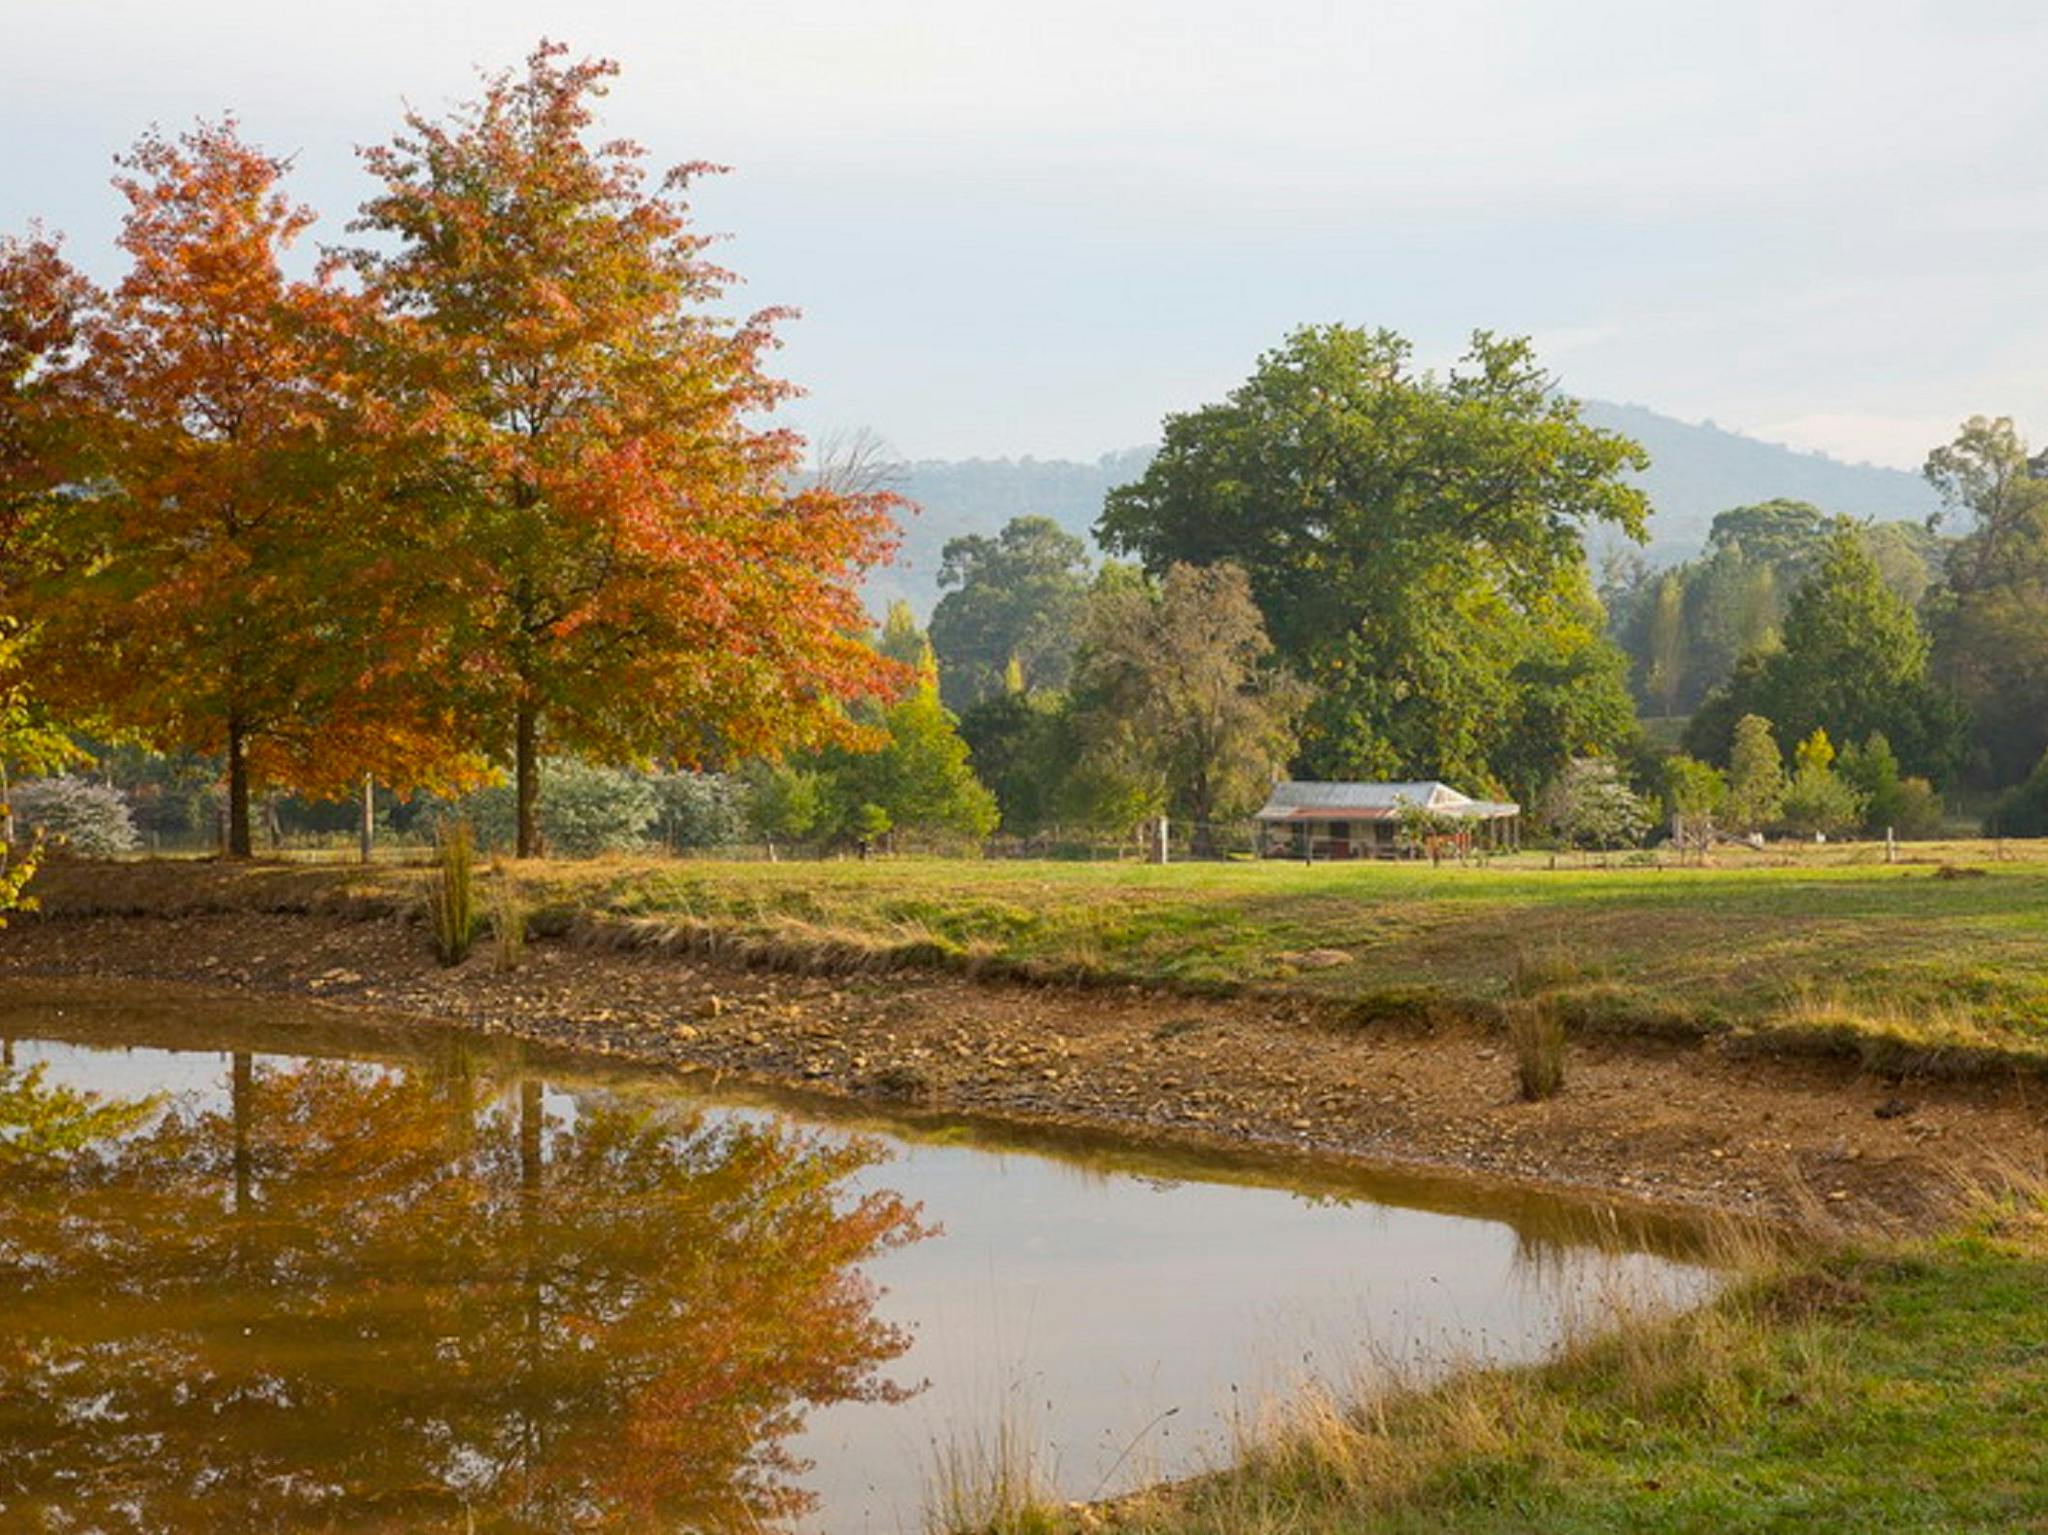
1035	227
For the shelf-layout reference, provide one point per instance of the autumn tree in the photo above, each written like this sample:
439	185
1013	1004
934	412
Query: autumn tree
205	582
622	562
43	307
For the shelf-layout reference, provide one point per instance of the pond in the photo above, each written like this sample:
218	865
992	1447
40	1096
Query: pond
284	1272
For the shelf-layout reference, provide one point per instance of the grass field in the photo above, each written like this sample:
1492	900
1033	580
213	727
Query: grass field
1945	960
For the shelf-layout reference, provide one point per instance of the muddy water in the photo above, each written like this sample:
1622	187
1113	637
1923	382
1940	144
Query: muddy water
278	1272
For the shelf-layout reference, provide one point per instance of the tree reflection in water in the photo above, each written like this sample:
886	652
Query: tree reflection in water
377	1300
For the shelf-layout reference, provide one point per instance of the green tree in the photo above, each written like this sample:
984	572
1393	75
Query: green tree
1907	807
1175	688
1756	776
785	803
1667	644
1410	538
921	779
2022	811
1853	660
901	640
1023	745
1015	597
1990	615
1694	792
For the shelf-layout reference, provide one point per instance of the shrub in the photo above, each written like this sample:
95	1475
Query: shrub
1909	807
451	892
1819	799
2022	811
784	803
90	819
1587	805
700	809
584	810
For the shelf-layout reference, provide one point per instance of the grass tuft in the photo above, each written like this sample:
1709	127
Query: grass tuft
1536	1036
508	921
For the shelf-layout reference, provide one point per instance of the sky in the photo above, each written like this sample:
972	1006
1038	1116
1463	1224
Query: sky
1036	228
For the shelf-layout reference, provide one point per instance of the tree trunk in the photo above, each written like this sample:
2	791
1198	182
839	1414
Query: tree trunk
240	1101
238	792
369	830
526	752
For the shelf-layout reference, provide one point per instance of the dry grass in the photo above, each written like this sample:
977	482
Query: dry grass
1805	1368
508	920
991	1482
451	893
1536	1035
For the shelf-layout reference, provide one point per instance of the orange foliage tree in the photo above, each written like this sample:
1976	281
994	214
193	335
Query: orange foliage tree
619	560
207	583
43	302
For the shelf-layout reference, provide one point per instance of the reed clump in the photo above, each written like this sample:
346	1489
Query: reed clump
1536	1036
451	892
991	1482
508	921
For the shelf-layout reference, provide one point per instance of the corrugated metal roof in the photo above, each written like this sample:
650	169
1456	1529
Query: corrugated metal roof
1361	796
1373	801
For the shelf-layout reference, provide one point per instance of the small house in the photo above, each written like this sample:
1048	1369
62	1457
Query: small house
1363	820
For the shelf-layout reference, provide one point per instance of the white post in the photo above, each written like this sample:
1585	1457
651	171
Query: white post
369	828
1891	847
1162	840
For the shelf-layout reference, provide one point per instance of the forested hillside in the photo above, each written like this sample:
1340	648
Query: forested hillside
1695	471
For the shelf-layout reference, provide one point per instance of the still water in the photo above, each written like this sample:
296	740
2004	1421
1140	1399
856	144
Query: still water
280	1273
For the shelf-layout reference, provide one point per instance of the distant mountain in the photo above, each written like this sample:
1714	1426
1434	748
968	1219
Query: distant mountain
979	495
1695	471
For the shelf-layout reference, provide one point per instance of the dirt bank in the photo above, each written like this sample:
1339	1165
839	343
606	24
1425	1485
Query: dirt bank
1660	1121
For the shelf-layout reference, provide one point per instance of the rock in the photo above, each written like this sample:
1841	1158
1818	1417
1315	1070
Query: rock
685	1032
711	1007
1320	959
1893	1108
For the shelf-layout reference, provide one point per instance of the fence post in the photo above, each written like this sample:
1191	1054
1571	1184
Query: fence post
1891	847
1164	855
369	827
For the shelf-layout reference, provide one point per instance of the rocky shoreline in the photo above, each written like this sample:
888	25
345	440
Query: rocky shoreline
1642	1121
